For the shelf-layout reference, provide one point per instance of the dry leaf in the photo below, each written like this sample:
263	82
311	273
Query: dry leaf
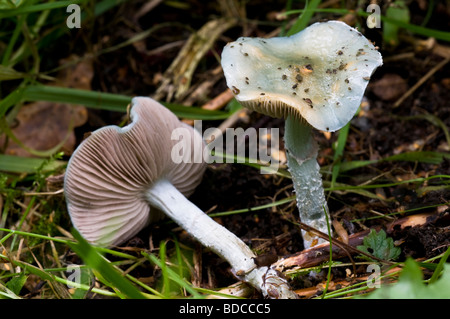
43	125
389	87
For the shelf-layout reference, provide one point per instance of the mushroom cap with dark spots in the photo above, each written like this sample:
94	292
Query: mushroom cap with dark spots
319	74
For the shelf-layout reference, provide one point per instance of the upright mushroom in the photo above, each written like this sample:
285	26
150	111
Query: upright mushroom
119	180
315	78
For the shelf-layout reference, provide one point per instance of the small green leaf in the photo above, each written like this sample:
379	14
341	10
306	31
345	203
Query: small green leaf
380	246
9	74
411	286
16	283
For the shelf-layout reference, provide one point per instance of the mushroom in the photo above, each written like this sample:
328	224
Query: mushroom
120	179
315	79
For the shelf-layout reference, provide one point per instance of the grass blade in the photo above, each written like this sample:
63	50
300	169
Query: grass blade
95	261
172	275
304	18
440	267
338	153
96	100
428	157
17	164
109	101
37	8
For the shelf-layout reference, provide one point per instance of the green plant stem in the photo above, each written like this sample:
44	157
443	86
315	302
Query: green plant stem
305	171
62	241
330	256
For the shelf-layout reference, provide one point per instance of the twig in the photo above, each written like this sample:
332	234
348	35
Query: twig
59	191
215	104
336	242
420	82
342	244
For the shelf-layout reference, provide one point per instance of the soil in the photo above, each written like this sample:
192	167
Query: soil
382	131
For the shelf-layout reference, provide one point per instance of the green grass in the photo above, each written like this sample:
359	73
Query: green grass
31	250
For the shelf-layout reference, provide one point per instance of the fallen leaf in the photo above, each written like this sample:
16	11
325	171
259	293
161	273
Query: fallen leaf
389	87
44	125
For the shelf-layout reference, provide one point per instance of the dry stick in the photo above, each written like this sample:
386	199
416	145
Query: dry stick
178	76
315	255
336	242
59	191
219	101
310	292
200	90
215	104
342	245
420	82
146	8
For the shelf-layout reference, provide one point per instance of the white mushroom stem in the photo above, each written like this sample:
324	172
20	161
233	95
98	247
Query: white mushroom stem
302	161
164	196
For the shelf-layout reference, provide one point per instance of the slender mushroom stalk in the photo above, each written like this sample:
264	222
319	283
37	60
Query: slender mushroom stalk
301	155
120	179
164	196
315	79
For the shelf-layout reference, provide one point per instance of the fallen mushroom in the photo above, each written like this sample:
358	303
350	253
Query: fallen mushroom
120	179
315	78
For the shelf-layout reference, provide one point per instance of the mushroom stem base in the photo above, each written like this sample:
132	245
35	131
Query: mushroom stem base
164	196
305	171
